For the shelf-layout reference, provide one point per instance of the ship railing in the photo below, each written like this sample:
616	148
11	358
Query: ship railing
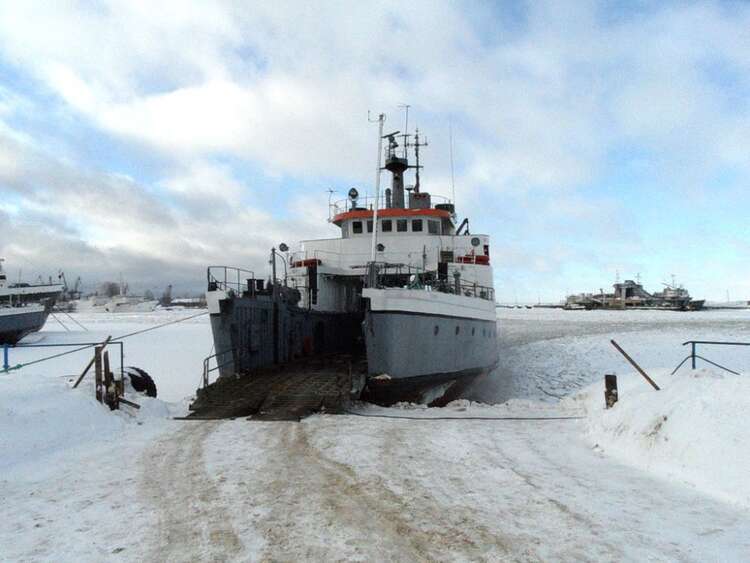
351	259
220	363
229	278
207	369
389	274
367	202
693	355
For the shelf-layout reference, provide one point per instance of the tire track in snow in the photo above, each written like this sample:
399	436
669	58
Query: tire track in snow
375	521
192	522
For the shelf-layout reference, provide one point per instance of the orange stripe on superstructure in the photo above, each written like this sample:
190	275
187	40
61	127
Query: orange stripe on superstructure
367	214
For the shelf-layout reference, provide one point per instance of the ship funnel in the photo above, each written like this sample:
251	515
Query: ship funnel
397	166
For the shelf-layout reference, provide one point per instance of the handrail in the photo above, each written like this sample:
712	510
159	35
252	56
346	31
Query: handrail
692	356
226	282
207	361
368	202
469	289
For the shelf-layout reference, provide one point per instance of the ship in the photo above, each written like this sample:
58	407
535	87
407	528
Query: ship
126	303
404	287
24	307
631	294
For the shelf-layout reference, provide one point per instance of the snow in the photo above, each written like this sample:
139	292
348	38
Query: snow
693	430
78	482
172	355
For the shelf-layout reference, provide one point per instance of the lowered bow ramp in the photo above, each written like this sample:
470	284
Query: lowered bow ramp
291	392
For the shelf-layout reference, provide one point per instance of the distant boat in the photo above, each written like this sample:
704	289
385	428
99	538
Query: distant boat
631	295
130	304
124	303
24	307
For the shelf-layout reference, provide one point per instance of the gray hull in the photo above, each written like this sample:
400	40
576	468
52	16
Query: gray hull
409	345
14	326
254	332
409	354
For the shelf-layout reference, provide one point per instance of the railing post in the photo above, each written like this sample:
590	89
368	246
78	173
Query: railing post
692	353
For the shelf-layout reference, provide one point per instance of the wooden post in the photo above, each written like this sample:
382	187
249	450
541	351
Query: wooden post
88	367
98	372
110	391
610	390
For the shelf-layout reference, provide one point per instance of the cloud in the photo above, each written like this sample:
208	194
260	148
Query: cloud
553	105
104	224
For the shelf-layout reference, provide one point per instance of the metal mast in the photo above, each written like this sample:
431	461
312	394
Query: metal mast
381	120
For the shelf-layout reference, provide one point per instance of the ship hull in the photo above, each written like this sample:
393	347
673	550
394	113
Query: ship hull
423	346
15	323
425	354
257	332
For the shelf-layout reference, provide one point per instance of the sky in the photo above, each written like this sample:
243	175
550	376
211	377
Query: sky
591	139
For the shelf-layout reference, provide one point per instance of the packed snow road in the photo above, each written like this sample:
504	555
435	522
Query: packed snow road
348	488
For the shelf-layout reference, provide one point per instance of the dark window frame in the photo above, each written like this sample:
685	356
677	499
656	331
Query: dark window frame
356	227
415	223
386	226
402	223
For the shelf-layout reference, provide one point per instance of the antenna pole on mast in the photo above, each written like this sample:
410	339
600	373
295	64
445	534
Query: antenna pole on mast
381	121
406	127
453	178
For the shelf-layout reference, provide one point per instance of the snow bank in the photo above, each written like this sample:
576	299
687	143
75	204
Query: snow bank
694	430
43	421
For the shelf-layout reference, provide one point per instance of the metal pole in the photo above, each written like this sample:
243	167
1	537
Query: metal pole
273	268
381	120
692	353
5	357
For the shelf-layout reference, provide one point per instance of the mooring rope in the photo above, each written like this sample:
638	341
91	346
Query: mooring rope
60	322
72	319
124	336
405	417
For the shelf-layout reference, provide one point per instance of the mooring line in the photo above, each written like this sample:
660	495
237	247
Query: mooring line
405	417
59	355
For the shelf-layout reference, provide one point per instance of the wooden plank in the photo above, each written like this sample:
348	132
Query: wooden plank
130	403
91	363
636	366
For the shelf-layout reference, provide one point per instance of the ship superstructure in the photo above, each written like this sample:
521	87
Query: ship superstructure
403	285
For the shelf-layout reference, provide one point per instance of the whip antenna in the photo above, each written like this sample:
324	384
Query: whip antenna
453	179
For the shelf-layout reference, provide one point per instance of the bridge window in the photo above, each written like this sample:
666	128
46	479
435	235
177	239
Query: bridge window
386	226
416	225
433	227
357	227
401	225
369	226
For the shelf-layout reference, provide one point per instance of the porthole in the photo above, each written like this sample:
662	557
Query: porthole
437	329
